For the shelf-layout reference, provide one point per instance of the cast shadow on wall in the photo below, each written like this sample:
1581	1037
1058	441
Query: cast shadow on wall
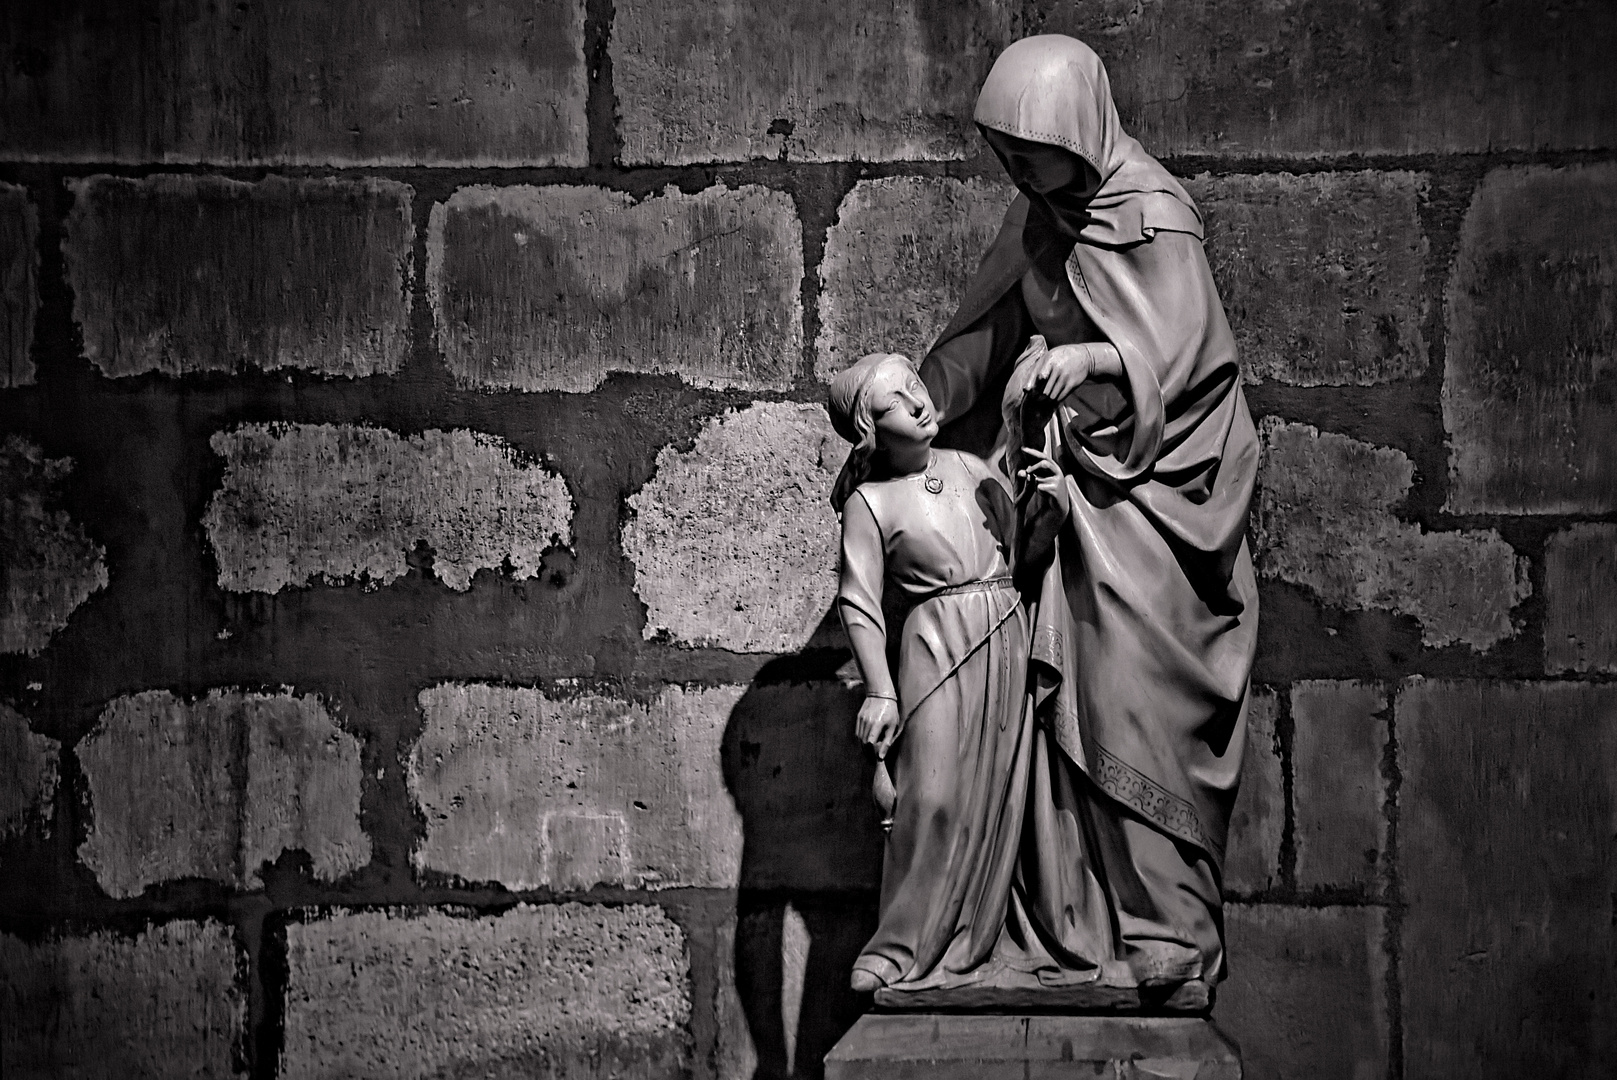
811	854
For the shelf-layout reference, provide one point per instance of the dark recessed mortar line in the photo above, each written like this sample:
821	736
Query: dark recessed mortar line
1446	197
601	105
1530	614
701	917
1286	736
1392	773
818	198
271	981
1384	415
247	921
647	179
1190	164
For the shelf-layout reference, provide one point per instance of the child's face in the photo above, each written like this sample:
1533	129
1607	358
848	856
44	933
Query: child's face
900	407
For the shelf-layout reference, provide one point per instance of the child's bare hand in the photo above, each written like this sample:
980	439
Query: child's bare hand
879	723
1047	475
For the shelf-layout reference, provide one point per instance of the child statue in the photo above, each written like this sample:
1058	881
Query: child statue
934	530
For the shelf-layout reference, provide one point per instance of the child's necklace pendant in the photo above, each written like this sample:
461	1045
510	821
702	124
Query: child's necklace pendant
934	485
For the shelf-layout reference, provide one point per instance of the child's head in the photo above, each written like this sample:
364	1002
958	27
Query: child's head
880	402
880	405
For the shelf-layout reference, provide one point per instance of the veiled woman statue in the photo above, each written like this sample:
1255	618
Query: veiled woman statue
1072	832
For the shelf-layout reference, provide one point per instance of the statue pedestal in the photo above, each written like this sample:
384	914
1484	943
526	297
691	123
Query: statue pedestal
904	1045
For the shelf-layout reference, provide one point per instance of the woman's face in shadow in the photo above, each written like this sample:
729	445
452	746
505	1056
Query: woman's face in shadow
1056	179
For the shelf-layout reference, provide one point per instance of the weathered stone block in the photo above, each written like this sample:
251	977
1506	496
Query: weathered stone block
1252	862
1340	738
801	781
734	541
181	274
340	502
1320	274
1324	518
531	790
897	262
568	990
19	265
166	1002
825	80
1306	992
1580	594
217	787
1531	336
300	82
1353	76
1508	865
51	565
27	773
552	288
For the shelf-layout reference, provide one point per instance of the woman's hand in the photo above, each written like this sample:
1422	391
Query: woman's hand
1063	370
879	723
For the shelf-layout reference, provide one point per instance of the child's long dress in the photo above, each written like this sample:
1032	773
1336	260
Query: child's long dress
943	538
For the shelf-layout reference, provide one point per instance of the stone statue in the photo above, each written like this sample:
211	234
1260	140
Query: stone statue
1068	713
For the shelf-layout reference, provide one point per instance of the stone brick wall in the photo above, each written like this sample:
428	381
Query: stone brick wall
414	651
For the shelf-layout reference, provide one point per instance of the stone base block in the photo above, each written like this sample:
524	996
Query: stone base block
1191	998
900	1046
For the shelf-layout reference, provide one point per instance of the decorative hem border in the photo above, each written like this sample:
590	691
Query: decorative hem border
1150	800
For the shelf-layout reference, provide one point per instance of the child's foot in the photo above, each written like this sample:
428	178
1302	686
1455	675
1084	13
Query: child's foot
865	982
866	978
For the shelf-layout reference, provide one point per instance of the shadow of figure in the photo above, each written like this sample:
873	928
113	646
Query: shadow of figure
811	854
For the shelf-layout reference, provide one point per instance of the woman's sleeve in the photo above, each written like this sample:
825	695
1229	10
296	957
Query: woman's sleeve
958	370
863	561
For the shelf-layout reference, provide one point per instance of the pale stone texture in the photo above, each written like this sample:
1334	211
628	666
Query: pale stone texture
1320	274
163	1003
1252	863
1324	518
897	262
341	502
532	790
1580	596
19	266
1508	805
802	783
561	991
51	565
297	82
27	773
1338	787
553	288
1312	77
1306	992
1532	345
216	787
183	274
734	541
821	80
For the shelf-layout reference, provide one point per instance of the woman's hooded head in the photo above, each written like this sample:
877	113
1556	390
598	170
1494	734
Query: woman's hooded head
1053	89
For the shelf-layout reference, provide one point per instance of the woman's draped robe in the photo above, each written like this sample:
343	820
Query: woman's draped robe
1145	622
